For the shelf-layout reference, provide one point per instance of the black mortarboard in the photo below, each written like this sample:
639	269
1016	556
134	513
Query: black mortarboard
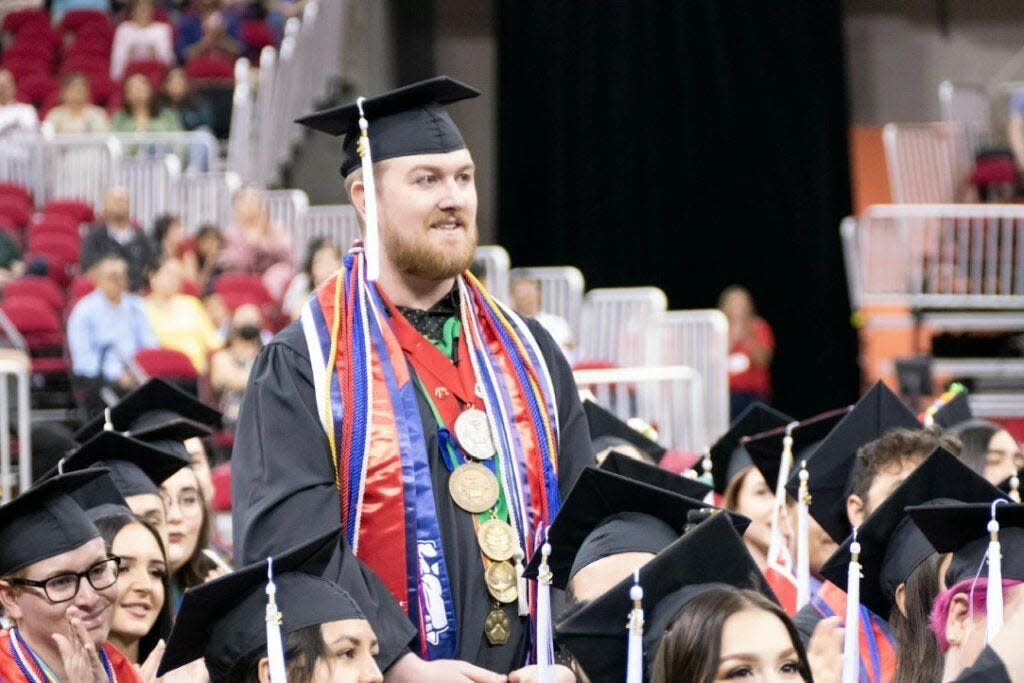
576	536
45	521
51	441
765	449
604	423
962	529
100	498
654	475
831	466
728	457
891	544
154	403
136	467
171	435
712	555
954	412
223	620
404	122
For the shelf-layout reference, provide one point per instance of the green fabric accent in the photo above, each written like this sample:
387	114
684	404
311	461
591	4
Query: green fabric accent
450	336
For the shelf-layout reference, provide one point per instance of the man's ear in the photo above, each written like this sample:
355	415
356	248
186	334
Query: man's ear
357	193
957	619
855	509
263	670
7	601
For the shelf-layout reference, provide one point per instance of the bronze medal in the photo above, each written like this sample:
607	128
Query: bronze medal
473	487
473	432
501	582
497	626
497	539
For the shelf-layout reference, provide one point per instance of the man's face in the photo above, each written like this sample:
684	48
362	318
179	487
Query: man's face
427	213
115	206
111	278
885	482
38	618
526	296
6	87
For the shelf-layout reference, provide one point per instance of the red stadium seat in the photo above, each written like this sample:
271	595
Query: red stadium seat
36	87
221	475
210	68
7	227
243	283
77	19
153	69
77	209
191	287
16	210
16	21
8	189
168	364
42	288
35	320
89	64
41	32
57	224
32	49
21	66
256	35
80	287
61	246
99	47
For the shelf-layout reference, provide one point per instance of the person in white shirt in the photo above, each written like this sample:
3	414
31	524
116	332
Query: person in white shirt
140	37
14	115
526	300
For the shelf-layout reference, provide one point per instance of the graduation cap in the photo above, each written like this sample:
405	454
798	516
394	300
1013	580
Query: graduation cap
765	448
892	546
830	467
51	441
728	455
223	621
408	121
710	556
100	498
153	404
953	412
654	475
45	521
602	422
170	436
136	467
962	529
606	514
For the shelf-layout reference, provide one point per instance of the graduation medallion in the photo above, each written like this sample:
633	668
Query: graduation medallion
473	487
497	626
473	432
496	539
501	582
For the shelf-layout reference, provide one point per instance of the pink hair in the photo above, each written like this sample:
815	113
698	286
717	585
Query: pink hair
975	590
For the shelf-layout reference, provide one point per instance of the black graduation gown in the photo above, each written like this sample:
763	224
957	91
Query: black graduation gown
988	669
282	487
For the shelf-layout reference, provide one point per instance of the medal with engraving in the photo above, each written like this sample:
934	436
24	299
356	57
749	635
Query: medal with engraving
497	539
501	582
473	487
473	432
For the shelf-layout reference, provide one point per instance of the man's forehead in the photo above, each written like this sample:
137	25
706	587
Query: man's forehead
458	158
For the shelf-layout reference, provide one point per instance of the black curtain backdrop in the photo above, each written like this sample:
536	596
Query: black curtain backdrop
689	144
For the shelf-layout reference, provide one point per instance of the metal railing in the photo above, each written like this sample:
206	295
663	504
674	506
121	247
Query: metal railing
287	208
336	222
496	264
561	291
968	105
700	339
153	186
206	198
616	326
927	162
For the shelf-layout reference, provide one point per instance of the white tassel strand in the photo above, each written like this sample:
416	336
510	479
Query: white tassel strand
803	564
994	593
275	646
371	245
635	652
851	641
524	600
545	642
775	547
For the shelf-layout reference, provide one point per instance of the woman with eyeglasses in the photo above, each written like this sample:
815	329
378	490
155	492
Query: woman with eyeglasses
188	534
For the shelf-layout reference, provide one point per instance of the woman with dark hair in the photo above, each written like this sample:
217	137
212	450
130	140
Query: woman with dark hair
177	94
323	259
188	534
140	111
918	659
989	450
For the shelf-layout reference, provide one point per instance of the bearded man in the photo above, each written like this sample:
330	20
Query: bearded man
442	429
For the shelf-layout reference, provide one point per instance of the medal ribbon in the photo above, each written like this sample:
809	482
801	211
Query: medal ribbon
876	640
36	670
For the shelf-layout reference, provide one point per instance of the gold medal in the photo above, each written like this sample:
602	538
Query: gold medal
497	626
497	539
501	582
473	432
473	487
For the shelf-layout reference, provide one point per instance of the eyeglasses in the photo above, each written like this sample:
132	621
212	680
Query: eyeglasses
64	587
188	503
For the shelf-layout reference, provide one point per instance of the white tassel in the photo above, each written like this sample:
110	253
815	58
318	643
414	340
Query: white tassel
706	466
1015	488
275	646
775	547
803	564
635	653
994	593
851	642
371	245
108	423
524	600
545	644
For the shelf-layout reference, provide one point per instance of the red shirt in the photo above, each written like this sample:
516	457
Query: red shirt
744	374
124	670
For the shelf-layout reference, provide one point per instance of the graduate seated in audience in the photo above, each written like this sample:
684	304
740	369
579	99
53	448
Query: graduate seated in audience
179	320
58	586
989	450
188	533
608	433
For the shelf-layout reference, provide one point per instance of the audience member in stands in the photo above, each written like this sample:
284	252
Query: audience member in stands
140	38
323	259
989	450
256	244
209	254
58	8
105	330
751	345
230	367
179	320
141	111
526	300
76	113
178	95
14	115
208	29
169	238
188	534
12	264
117	234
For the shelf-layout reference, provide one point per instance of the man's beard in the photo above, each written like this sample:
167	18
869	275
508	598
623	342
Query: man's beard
415	255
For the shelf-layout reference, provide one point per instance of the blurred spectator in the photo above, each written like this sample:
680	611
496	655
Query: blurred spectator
177	94
12	6
255	244
230	367
179	320
117	234
208	28
140	38
209	251
141	111
14	115
1015	129
58	8
169	238
751	346
105	330
323	259
526	300
280	11
12	264
76	112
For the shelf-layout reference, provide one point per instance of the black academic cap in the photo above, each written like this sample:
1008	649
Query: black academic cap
51	441
765	449
957	410
223	620
171	435
602	422
45	521
831	466
407	121
154	403
710	556
728	456
136	467
654	475
962	529
656	517
891	544
100	498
